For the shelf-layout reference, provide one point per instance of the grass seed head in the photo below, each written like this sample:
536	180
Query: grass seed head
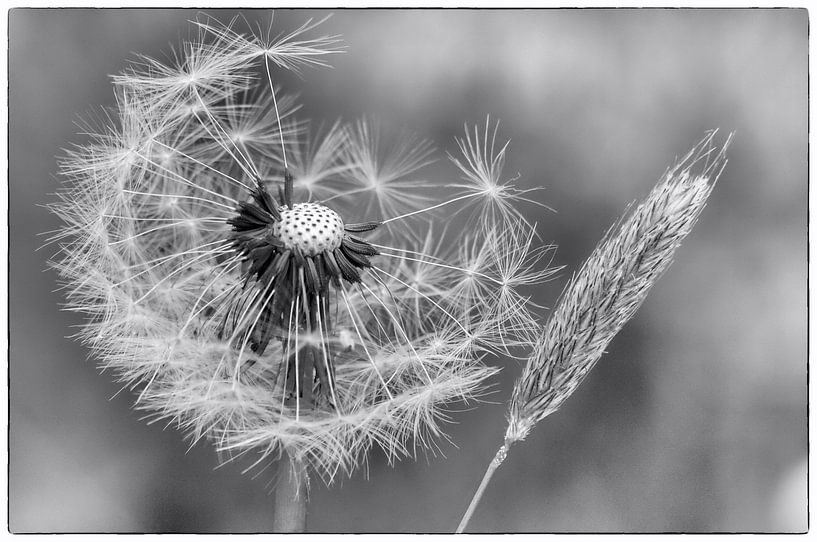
611	285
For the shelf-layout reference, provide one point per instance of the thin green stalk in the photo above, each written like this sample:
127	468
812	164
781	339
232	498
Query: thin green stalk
291	496
500	456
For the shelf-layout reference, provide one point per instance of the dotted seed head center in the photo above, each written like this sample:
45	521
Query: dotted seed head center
310	227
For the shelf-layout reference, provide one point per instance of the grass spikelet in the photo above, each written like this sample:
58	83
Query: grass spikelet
606	292
611	285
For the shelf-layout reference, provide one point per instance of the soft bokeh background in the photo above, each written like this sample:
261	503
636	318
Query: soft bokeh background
694	421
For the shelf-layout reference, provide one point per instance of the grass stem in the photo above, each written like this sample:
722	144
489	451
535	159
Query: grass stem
500	456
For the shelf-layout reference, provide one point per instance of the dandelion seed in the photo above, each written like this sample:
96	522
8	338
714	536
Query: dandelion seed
481	167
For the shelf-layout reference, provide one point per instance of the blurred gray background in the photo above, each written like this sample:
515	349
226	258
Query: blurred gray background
694	421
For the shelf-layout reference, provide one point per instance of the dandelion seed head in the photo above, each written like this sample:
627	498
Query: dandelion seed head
278	289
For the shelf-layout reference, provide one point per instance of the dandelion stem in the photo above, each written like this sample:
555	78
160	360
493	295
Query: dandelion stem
500	456
291	496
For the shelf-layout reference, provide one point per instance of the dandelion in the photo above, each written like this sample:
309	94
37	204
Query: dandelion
606	293
232	283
